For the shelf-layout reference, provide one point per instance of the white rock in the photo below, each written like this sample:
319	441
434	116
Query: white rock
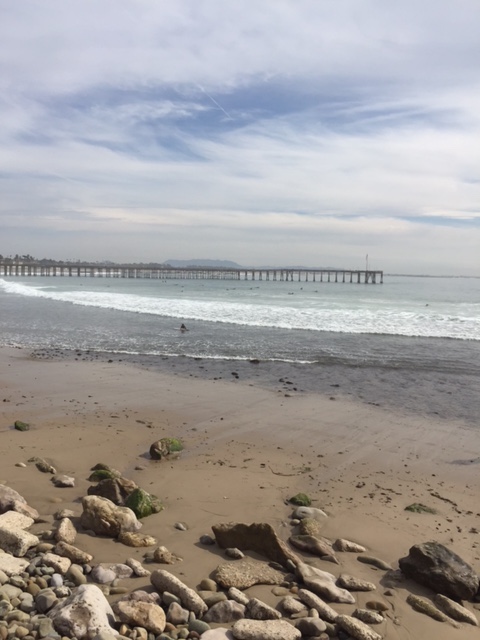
12	566
265	630
59	563
17	541
164	581
15	520
315	602
323	584
84	614
65	531
357	629
137	567
309	512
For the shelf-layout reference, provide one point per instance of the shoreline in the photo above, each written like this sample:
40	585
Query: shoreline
249	447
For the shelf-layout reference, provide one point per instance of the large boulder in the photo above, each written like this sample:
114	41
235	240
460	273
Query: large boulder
434	566
258	537
11	500
165	447
104	518
84	614
143	504
246	573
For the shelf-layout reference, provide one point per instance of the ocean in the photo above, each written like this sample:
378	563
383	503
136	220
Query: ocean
427	328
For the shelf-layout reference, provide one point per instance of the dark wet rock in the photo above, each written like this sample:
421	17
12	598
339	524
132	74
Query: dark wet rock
300	500
434	566
21	426
115	489
143	504
258	537
165	447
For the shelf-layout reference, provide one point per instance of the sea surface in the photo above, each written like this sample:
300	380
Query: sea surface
427	328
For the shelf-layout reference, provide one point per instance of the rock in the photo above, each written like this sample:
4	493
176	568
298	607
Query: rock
237	595
354	584
425	606
357	629
181	526
63	481
455	610
65	531
246	573
311	527
21	426
315	546
258	610
15	520
122	571
375	562
73	553
143	504
76	575
348	546
83	614
164	556
225	611
42	465
103	472
265	630
217	634
310	627
103	517
101	575
61	564
234	553
131	539
137	568
258	537
207	540
11	500
300	500
16	541
367	616
141	614
434	566
164	581
315	602
310	512
323	584
176	614
11	566
45	600
291	605
114	488
198	626
165	447
376	605
207	584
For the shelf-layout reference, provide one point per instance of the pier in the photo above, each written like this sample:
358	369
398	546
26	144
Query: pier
287	274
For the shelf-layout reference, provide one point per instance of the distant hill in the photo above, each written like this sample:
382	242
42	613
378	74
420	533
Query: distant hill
203	263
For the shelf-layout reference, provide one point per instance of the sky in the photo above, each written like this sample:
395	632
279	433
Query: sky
272	132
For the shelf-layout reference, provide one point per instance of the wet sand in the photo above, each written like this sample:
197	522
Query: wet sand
250	445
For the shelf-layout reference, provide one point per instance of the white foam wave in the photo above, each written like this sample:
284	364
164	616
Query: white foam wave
360	320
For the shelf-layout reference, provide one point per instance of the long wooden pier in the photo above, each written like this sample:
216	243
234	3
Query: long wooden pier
286	274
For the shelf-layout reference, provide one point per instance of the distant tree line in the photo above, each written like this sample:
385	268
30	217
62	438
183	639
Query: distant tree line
81	263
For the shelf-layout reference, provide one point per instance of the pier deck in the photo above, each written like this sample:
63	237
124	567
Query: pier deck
286	274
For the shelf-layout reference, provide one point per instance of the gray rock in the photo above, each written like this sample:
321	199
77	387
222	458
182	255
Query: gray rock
65	531
434	566
348	546
63	481
265	630
367	616
357	629
375	562
176	614
223	612
290	605
315	546
207	540
311	627
121	571
351	583
116	490
310	512
258	610
455	610
101	575
258	537
60	564
246	573
76	575
83	614
237	595
198	626
103	517
137	568
323	584
165	581
315	602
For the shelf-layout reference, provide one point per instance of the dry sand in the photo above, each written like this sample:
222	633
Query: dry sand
248	449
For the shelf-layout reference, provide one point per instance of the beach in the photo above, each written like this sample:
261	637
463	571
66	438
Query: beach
248	449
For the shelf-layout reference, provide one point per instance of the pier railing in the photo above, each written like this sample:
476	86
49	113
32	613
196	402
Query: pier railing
286	274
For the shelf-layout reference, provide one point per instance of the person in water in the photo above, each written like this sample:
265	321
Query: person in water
183	327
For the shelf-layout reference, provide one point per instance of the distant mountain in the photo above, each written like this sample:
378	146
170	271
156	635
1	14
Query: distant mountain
203	263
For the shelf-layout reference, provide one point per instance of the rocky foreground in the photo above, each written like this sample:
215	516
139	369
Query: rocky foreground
50	588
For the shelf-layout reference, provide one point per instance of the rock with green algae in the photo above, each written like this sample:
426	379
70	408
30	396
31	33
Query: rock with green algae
165	447
300	500
21	426
418	507
143	504
103	471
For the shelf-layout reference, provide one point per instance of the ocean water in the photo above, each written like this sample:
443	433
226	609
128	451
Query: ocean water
410	323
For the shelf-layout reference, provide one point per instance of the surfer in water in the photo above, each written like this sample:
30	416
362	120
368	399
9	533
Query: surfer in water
183	328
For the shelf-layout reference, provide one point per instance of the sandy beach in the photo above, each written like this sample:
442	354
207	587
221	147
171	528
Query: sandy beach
248	448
